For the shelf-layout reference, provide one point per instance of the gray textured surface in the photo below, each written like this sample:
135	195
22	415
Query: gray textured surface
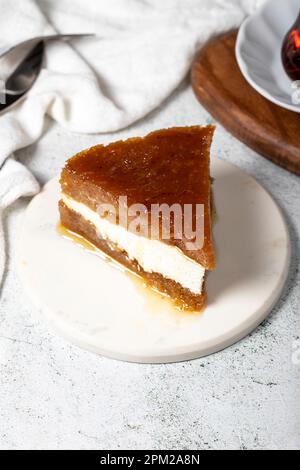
53	395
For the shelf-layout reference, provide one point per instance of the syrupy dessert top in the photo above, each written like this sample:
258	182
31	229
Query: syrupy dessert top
165	167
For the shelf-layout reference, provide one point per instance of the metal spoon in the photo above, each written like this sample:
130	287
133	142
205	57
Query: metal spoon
26	73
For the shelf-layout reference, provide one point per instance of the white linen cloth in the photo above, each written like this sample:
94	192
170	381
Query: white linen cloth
142	51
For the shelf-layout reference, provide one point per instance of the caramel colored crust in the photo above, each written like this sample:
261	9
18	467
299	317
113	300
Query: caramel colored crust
183	298
166	167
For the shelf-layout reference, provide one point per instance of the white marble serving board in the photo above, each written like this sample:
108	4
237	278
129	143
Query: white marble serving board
102	309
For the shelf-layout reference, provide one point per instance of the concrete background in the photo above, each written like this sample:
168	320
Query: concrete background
56	396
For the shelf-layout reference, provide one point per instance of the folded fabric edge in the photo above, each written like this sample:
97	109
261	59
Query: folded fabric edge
15	182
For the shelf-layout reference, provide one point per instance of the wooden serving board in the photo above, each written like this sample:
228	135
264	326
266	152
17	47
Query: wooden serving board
268	129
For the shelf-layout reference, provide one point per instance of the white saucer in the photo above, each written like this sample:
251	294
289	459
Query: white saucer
258	51
102	309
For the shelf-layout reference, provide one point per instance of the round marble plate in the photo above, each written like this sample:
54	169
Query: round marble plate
258	52
103	309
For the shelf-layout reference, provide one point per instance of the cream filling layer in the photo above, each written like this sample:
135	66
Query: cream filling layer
152	255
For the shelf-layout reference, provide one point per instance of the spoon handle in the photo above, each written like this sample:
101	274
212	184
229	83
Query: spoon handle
67	37
52	37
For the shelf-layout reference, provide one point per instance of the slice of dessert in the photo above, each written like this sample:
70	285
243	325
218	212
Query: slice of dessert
146	202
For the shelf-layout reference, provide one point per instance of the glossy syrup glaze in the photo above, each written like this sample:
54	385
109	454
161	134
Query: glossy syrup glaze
170	166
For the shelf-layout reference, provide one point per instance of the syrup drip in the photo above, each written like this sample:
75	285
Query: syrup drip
155	302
